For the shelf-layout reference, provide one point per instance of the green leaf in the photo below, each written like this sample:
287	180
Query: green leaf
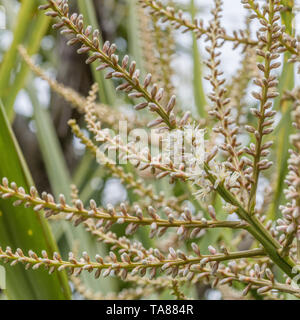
82	172
287	15
26	12
53	157
199	94
60	181
39	29
134	42
285	128
107	93
23	228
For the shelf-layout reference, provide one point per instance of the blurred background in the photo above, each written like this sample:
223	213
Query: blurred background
39	116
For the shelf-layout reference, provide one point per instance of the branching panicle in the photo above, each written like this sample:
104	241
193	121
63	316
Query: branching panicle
125	70
153	239
269	35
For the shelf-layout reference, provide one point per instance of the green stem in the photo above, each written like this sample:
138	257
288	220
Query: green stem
256	229
100	214
131	265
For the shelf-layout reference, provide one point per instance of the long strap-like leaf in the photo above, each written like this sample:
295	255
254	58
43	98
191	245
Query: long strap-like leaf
26	230
60	182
